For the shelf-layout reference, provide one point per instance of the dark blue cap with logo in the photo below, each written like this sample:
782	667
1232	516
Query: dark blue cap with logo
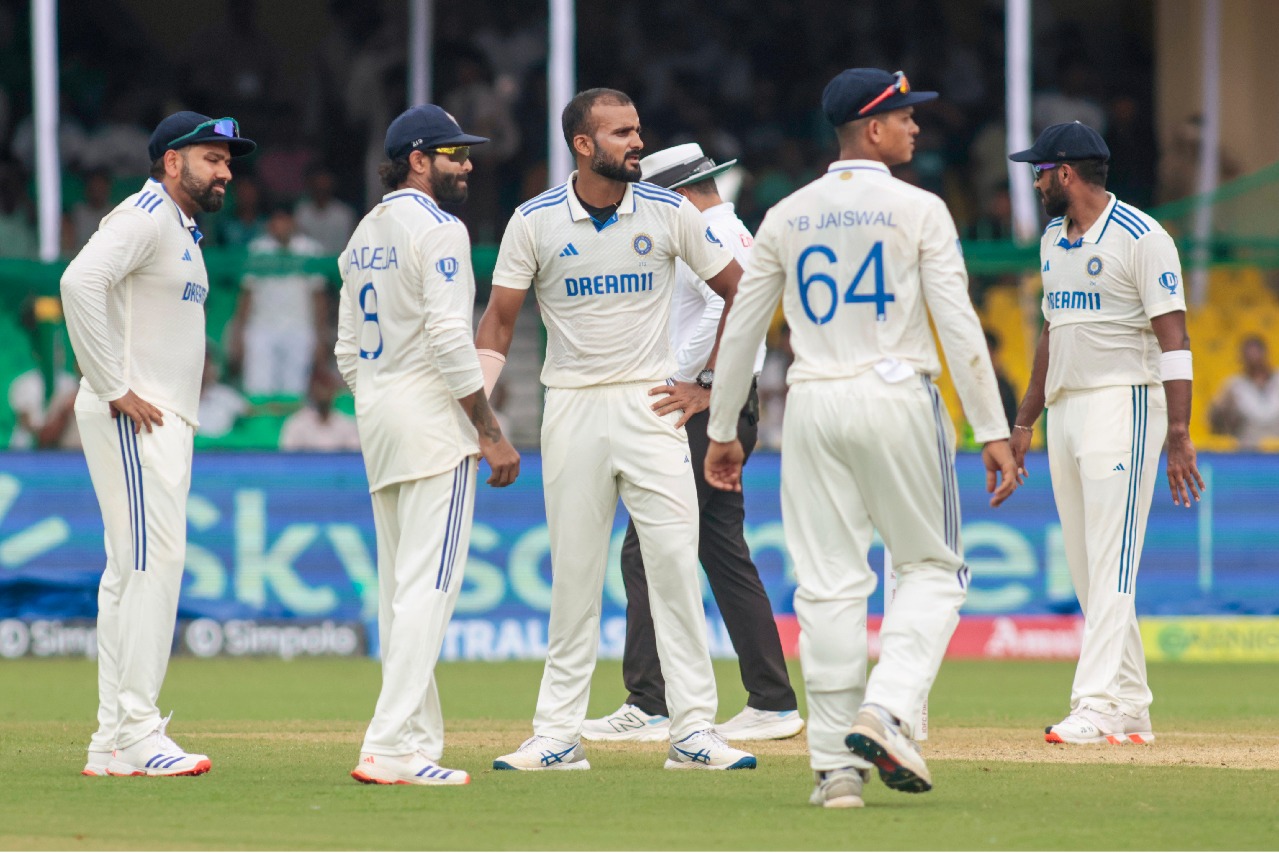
187	128
1062	142
422	127
858	93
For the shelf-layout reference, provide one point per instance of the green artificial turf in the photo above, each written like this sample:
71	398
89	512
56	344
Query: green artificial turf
284	736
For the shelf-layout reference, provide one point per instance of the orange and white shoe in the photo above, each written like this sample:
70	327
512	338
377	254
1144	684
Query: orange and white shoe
97	764
1088	726
1138	729
415	769
157	755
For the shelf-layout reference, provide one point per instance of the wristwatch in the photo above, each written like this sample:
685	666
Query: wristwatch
706	378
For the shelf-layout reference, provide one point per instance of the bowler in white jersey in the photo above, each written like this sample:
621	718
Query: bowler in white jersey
600	250
861	260
134	301
404	347
1113	367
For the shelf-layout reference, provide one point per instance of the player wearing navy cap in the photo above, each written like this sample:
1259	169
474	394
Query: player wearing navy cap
134	300
1113	366
861	261
404	347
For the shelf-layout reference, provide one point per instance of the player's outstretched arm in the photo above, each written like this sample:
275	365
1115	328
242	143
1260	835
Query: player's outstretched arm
1183	471
1002	471
503	459
1032	404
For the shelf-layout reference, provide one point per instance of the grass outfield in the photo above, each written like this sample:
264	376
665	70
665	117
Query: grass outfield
283	736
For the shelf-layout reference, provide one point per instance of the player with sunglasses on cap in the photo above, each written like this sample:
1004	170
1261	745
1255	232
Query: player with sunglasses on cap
861	261
404	347
1113	366
134	301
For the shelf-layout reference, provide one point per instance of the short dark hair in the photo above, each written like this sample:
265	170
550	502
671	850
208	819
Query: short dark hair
394	173
1091	171
576	117
157	168
703	187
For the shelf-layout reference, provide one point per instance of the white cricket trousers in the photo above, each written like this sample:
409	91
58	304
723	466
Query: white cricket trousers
599	443
1103	452
423	535
142	481
858	455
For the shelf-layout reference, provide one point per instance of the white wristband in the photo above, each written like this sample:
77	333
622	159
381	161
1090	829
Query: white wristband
491	363
1175	364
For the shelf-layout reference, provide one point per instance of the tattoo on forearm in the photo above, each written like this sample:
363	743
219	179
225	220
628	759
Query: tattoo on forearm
484	420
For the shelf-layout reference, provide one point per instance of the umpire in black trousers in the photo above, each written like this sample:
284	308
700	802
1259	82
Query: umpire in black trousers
771	710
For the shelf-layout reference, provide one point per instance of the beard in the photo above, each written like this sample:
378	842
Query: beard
203	194
448	189
1054	200
614	170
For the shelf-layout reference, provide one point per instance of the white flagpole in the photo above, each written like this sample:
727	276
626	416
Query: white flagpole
561	85
44	73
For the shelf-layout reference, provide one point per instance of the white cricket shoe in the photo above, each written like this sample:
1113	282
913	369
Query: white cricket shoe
753	724
706	750
415	769
839	789
877	737
97	764
544	753
628	723
1088	726
1138	728
157	755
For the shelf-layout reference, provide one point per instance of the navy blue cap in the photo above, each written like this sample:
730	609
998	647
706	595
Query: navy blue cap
187	128
1061	142
422	127
857	93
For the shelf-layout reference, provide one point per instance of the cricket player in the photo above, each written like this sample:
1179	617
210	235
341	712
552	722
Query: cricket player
134	302
860	261
1113	367
771	711
404	347
600	250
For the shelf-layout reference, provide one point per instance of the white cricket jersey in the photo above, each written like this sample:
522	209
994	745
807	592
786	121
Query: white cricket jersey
134	303
605	290
405	344
860	261
696	309
1100	293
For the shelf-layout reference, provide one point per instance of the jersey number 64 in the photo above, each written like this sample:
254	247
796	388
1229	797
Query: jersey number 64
874	260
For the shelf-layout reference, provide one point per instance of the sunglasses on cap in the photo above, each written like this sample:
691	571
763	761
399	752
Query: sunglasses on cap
457	153
1039	168
899	86
227	127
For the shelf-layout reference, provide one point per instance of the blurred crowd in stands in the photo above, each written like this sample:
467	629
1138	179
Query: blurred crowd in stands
740	77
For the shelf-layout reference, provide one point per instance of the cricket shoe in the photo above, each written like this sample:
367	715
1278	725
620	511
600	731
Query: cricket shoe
544	753
877	737
1138	729
753	724
839	789
706	750
1088	726
157	755
631	723
415	769
97	764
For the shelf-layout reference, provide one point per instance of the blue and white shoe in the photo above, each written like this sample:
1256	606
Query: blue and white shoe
629	723
157	755
753	724
97	764
706	750
544	753
415	769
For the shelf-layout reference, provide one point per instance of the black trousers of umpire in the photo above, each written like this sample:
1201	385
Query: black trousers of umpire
734	581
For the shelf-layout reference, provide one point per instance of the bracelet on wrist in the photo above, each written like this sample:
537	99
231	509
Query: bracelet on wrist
1029	429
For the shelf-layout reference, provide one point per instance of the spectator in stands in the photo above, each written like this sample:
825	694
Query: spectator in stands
220	404
82	220
1248	405
1007	394
244	223
318	426
42	420
772	390
1072	100
321	216
280	328
17	215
